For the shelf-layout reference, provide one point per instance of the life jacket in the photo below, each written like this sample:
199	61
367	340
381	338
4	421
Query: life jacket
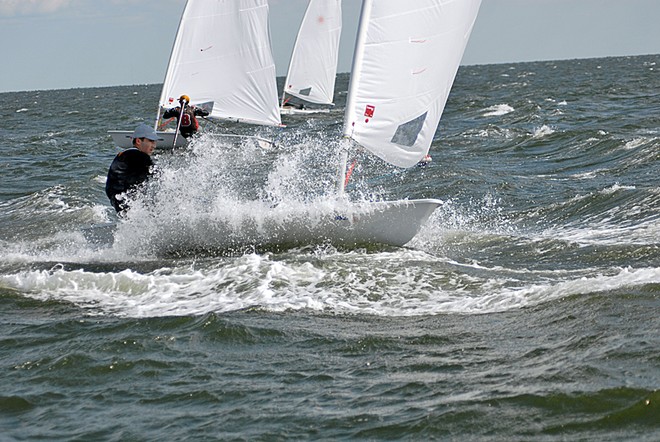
188	120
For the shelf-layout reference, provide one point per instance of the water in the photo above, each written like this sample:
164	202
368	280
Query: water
525	309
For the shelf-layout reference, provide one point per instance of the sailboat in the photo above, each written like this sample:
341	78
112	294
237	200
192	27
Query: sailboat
313	65
222	59
406	58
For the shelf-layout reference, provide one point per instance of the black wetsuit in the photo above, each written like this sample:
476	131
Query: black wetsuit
129	169
189	124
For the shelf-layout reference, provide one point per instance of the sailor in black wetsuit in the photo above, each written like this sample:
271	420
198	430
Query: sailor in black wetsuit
131	167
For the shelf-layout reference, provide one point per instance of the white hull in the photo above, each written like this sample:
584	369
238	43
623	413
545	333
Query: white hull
293	111
392	223
122	138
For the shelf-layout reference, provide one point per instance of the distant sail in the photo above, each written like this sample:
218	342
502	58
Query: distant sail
222	57
313	66
405	62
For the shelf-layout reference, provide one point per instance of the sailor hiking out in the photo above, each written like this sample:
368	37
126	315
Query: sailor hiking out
131	167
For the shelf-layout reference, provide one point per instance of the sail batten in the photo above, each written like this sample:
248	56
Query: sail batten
406	58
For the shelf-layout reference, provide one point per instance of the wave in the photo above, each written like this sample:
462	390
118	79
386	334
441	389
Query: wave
320	280
499	109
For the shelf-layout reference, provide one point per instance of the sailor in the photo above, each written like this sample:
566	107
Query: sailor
131	167
288	104
189	125
425	161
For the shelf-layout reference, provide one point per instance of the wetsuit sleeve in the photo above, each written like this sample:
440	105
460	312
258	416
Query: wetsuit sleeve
169	113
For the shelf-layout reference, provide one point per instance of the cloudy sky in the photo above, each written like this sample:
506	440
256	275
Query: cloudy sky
58	44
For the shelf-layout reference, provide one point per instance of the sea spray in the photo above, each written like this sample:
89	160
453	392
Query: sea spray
222	197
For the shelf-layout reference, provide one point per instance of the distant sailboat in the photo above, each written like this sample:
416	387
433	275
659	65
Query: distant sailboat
313	65
222	59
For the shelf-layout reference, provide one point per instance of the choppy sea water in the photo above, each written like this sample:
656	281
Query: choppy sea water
525	309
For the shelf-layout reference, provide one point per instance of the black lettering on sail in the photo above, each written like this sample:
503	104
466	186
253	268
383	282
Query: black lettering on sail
406	134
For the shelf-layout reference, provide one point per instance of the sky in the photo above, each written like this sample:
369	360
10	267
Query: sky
61	44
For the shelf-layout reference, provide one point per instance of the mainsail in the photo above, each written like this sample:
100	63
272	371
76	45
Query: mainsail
406	57
313	65
222	58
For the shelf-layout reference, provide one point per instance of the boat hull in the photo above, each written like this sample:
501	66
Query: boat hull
294	111
387	223
390	223
122	138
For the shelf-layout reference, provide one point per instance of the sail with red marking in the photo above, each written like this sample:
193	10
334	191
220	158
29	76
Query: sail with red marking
406	59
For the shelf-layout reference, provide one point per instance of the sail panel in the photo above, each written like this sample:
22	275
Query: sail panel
222	54
313	65
404	67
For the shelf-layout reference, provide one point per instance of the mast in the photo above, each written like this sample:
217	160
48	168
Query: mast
356	70
169	62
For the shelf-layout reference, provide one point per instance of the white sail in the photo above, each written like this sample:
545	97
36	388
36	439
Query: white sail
313	65
406	57
222	55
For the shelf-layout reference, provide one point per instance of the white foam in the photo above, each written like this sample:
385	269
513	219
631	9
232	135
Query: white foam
608	234
615	188
497	110
635	143
542	131
201	199
384	284
589	174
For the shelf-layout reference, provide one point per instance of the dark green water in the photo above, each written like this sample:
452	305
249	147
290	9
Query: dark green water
526	309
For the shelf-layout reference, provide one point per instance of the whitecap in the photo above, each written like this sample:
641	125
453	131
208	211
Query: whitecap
370	285
498	109
542	131
615	188
634	143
